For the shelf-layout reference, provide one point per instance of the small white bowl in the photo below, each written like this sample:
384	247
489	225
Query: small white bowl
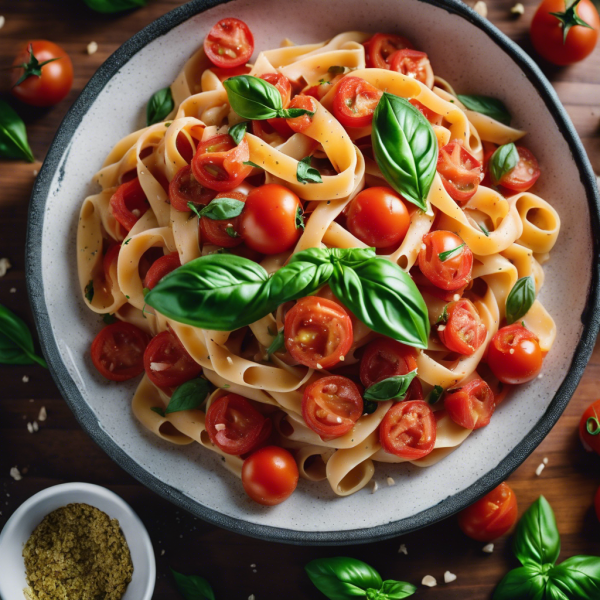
29	515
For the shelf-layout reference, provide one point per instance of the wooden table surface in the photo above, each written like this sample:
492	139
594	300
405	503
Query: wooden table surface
60	451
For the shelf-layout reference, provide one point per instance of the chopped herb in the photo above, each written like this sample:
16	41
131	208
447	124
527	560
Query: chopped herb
307	174
225	386
277	344
126	296
444	256
252	164
168	123
435	394
109	318
485	230
300	218
89	291
324	82
443	318
126	241
369	407
231	232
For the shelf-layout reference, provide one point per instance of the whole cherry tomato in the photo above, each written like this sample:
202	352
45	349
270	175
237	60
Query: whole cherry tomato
589	428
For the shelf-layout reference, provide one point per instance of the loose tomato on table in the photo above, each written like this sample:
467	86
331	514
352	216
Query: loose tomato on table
270	475
472	405
490	517
380	48
303	122
412	63
460	172
229	43
317	332
514	354
223	232
118	351
161	267
184	188
589	428
355	102
129	203
331	406
524	174
42	73
462	330
167	363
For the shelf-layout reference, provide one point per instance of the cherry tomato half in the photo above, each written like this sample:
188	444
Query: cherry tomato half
491	516
303	122
229	43
355	102
412	63
514	354
524	175
463	332
452	273
589	428
472	405
129	203
184	188
460	172
317	332
381	46
161	267
331	406
270	475
284	86
118	351
223	232
408	430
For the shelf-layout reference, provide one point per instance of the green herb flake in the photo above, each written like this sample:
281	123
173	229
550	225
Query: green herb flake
300	218
193	587
435	394
126	241
444	256
146	291
443	318
109	318
89	291
252	164
485	230
231	232
277	344
307	174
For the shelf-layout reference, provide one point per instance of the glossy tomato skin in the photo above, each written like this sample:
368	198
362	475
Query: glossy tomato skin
56	79
547	34
463	331
118	351
163	266
524	362
378	217
225	232
412	63
590	441
454	272
381	47
269	221
317	332
430	115
460	172
472	405
129	203
270	475
524	175
229	43
302	123
184	188
355	102
490	517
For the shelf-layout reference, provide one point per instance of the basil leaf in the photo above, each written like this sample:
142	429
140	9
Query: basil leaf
444	256
524	583
112	6
405	148
385	298
252	164
231	232
253	98
300	218
504	160
192	587
237	132
488	106
307	174
16	343
391	388
537	542
13	135
220	209
159	106
443	318
89	291
158	410
577	577
435	394
277	344
396	590
109	318
520	299
341	578
352	257
188	395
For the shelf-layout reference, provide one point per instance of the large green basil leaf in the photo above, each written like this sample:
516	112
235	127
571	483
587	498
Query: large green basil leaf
504	160
352	256
392	388
405	148
16	343
486	105
13	135
159	106
577	578
188	395
524	583
393	590
298	279
112	6
520	299
537	542
385	298
341	578
192	587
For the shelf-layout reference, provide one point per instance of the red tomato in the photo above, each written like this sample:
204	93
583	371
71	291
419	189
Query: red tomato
491	516
355	102
463	331
317	332
514	354
110	260
229	43
118	351
224	74
547	31
46	86
378	217
233	424
302	123
589	428
270	475
129	203
381	46
331	406
184	147
524	175
412	63
184	188
271	130
408	430
167	362
452	273
263	437
472	405
271	219
163	266
219	164
225	232
431	116
460	172
283	85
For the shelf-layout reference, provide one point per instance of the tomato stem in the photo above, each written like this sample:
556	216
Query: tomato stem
33	67
569	18
592	426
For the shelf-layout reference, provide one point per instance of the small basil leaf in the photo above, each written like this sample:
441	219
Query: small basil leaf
220	209
16	342
444	256
13	135
252	164
89	291
391	388
435	394
188	395
277	344
352	257
341	578
109	318
524	583
405	148
237	132
112	6
577	577
192	587
300	218
504	160
307	174
369	407
159	106
397	590
520	299
443	318
253	98
292	113
158	410
536	541
486	105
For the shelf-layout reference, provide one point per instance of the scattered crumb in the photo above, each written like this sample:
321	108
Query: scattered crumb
30	427
449	577
35	426
456	297
402	549
488	549
319	366
253	566
545	461
540	375
517	9
2	21
481	8
375	487
251	597
230	360
342	358
43	414
4	266
220	426
540	468
25	379
254	571
441	328
14	473
13	290
92	48
162	552
35	172
390	481
429	581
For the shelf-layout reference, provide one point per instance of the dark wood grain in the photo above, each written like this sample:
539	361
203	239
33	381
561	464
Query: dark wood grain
61	451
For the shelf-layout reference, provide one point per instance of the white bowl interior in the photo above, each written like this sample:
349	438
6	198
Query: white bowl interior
473	63
29	515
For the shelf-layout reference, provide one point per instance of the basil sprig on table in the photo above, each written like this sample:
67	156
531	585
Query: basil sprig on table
16	342
159	106
405	148
255	99
112	6
520	299
225	292
219	209
392	388
13	135
342	578
193	587
486	105
537	545
504	160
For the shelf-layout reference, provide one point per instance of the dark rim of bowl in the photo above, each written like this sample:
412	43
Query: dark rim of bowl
590	316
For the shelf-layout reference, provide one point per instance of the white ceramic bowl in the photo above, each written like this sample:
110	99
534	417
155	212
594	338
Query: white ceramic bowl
29	515
476	58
